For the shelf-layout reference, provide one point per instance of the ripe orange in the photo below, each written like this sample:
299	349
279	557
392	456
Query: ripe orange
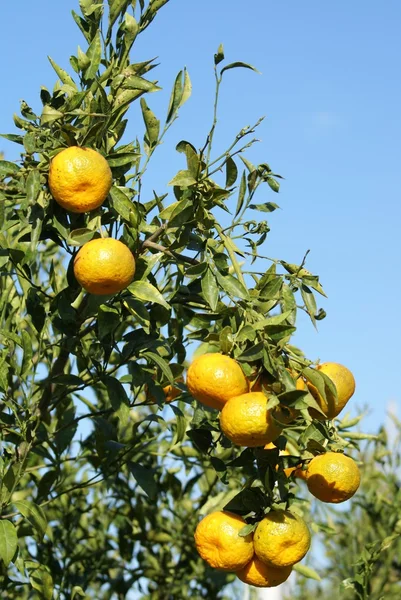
281	539
79	179
214	378
246	421
104	266
333	477
259	574
344	382
218	542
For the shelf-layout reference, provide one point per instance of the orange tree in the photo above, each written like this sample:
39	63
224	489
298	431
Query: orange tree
103	479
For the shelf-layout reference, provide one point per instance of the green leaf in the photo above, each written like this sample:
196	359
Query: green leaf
161	363
310	302
266	207
253	353
241	195
219	56
187	88
65	78
247	529
34	514
210	290
183	179
144	478
176	97
41	580
182	214
147	292
50	114
237	64
118	398
232	286
77	592
116	8
8	541
231	172
108	319
68	379
7	169
121	203
79	237
273	184
307	572
152	125
275	320
32	186
133	82
94	53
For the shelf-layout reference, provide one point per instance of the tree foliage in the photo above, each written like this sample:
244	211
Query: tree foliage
102	484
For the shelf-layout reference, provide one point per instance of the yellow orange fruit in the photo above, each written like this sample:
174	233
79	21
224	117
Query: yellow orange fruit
104	266
344	383
218	542
333	477
79	179
258	574
281	539
246	421
214	378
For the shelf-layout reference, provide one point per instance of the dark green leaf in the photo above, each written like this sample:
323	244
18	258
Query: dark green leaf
266	207
145	479
161	363
210	290
108	319
231	172
176	97
234	65
241	194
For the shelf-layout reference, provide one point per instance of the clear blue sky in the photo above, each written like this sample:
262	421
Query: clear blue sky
331	91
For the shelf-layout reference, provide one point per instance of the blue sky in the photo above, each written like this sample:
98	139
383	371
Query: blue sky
330	90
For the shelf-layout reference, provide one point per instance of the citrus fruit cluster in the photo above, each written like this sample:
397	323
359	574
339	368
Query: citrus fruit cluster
281	538
79	181
262	559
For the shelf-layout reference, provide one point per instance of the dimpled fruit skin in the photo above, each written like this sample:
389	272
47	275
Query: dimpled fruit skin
344	382
333	477
246	421
281	539
259	574
214	378
104	266
218	542
79	179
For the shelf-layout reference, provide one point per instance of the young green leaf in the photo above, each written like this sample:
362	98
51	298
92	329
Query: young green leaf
147	292
8	541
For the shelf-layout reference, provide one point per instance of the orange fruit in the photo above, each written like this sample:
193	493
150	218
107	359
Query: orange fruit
258	574
281	539
79	179
344	382
333	477
214	378
246	421
218	542
104	266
